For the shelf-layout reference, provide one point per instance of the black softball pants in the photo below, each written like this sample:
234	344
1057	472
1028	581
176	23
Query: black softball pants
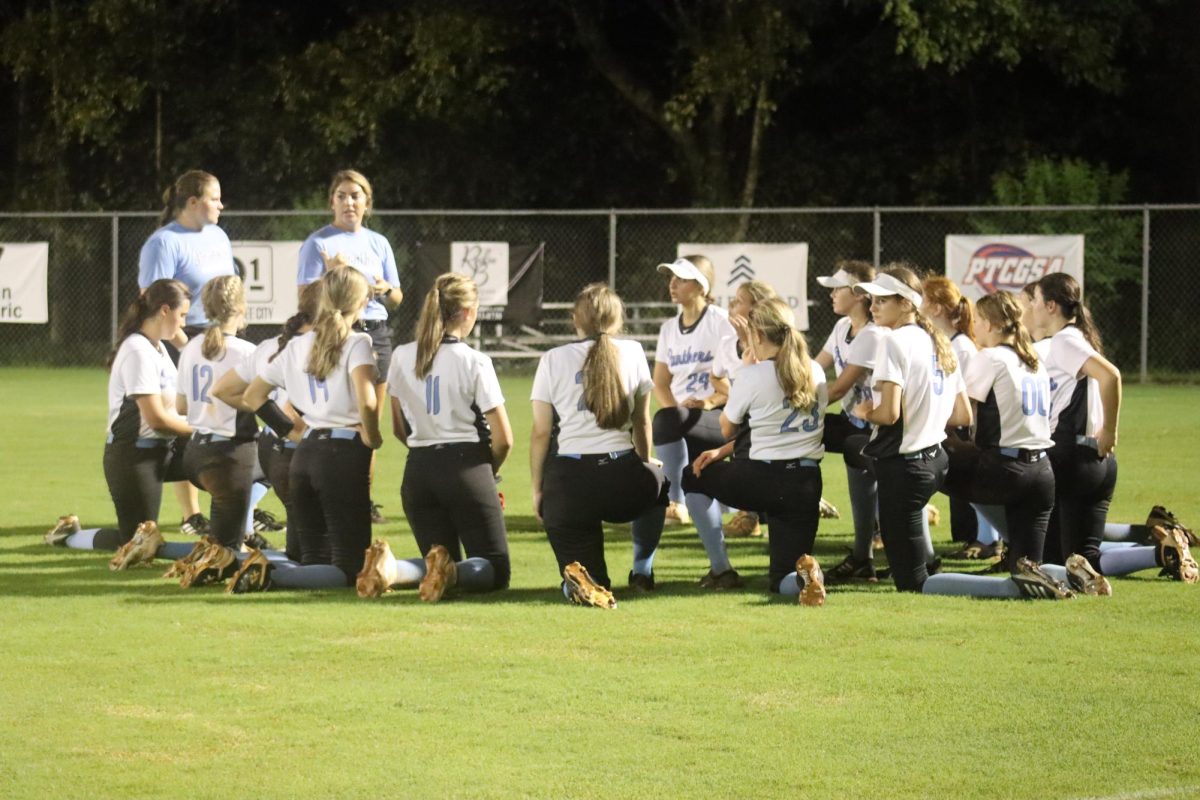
449	496
906	482
225	469
700	429
135	473
275	459
1083	490
789	492
331	500
1025	488
579	494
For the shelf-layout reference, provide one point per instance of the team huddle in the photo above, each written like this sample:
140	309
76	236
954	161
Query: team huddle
1007	405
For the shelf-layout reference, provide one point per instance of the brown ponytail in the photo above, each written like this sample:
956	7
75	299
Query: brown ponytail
599	314
310	304
344	297
1064	290
706	269
223	299
451	293
190	184
941	291
1003	312
904	273
775	321
163	292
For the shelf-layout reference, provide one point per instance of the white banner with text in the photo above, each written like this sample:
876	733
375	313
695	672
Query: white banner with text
23	270
999	262
784	266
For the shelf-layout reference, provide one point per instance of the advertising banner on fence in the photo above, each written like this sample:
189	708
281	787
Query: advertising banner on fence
999	262
784	266
23	269
268	270
487	264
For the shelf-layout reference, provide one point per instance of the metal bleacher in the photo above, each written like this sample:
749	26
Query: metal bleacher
642	321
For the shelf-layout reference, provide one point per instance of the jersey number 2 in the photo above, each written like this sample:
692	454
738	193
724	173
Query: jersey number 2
808	425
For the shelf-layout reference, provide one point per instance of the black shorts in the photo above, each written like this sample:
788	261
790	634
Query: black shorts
381	344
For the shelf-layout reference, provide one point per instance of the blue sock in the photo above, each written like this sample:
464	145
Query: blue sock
956	584
1126	560
706	515
174	550
791	584
985	534
82	540
1116	545
647	532
995	518
862	486
1126	533
674	458
313	576
257	492
409	571
930	555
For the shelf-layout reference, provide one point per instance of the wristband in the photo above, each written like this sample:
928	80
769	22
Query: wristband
273	415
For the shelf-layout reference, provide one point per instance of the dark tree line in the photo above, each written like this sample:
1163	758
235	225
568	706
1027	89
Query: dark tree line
577	103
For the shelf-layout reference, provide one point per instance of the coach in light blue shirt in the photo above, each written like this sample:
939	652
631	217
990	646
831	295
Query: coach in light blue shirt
190	247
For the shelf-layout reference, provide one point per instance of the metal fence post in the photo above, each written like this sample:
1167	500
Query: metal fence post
878	243
115	300
1145	293
612	250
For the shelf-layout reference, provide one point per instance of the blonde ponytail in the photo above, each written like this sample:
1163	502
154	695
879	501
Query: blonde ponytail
1003	312
343	299
223	299
451	293
774	321
599	314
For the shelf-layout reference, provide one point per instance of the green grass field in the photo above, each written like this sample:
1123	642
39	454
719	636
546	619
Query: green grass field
124	685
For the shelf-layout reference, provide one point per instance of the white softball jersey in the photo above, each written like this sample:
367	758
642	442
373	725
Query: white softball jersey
689	352
1014	402
140	368
726	361
253	366
1042	348
1075	407
963	349
778	432
447	405
330	403
559	382
907	358
197	377
857	349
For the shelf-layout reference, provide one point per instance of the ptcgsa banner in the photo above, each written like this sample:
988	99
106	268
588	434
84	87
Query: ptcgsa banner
784	266
23	270
999	262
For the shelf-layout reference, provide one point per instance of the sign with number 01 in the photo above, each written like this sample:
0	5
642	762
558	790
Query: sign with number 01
268	270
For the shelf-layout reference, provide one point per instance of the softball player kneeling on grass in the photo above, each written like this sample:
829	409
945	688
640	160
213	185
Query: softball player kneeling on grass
144	430
447	407
274	452
783	400
918	392
330	372
596	394
220	457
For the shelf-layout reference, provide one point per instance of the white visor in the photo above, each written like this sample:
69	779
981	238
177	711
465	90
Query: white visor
837	280
885	285
686	270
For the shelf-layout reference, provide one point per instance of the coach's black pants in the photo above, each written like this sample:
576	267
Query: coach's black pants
580	494
449	497
275	459
1083	489
1024	488
331	503
788	491
224	469
905	485
135	476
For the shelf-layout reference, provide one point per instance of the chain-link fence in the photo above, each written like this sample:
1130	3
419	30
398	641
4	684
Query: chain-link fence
1139	277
